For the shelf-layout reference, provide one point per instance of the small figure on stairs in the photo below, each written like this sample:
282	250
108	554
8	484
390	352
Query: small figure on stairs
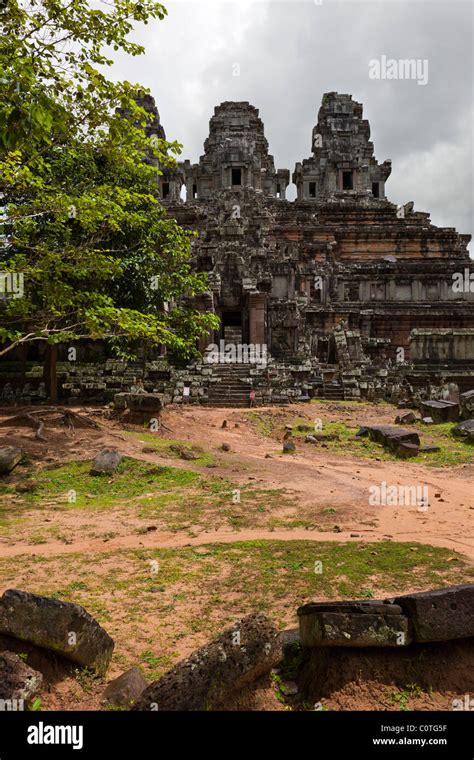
251	397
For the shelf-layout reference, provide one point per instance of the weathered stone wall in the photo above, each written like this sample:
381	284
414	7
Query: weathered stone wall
342	285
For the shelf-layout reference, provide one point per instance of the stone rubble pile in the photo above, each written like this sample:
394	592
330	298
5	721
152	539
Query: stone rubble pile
235	659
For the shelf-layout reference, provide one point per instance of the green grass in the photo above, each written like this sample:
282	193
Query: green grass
168	447
402	698
260	573
347	403
212	505
131	478
172	498
195	592
453	451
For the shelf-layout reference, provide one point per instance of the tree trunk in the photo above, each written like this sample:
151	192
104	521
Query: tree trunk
51	376
23	364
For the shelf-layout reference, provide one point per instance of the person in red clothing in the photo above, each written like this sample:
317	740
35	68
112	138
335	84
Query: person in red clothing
251	397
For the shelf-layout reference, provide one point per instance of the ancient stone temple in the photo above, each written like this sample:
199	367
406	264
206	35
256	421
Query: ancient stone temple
350	294
340	281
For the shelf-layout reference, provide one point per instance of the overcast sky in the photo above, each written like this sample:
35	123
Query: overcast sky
290	52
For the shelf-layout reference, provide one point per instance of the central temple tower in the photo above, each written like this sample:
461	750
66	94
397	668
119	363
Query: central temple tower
235	156
343	160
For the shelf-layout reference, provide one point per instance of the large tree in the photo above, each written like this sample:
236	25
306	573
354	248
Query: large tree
82	227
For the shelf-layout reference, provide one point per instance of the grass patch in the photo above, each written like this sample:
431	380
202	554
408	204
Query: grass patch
71	483
218	503
172	499
149	599
173	449
452	450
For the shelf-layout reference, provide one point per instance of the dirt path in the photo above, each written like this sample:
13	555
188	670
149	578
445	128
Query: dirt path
177	541
314	477
317	477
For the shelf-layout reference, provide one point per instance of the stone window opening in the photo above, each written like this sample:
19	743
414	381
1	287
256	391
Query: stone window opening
347	180
236	176
166	189
317	295
312	189
376	189
278	191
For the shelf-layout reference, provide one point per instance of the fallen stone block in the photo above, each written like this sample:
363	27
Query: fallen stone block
466	402
289	638
288	447
359	606
10	456
405	404
203	681
18	682
353	624
427	420
382	433
442	614
440	411
139	402
106	462
184	453
61	627
126	689
402	449
406	419
321	437
465	430
403	443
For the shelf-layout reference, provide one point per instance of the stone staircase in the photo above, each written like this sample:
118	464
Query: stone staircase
233	335
233	387
333	392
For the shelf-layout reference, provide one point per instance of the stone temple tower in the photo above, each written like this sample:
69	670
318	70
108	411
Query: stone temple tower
235	156
343	161
170	180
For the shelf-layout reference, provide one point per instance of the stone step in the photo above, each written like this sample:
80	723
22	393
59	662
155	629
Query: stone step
235	366
237	384
333	391
227	394
223	404
219	389
231	373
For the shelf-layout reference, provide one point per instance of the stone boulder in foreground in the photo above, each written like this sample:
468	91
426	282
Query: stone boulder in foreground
353	624
212	673
18	682
10	456
442	614
61	627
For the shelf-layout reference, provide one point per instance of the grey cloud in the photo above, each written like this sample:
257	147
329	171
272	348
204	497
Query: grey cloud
290	53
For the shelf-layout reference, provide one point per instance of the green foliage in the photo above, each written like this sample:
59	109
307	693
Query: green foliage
132	478
452	451
87	679
99	256
402	698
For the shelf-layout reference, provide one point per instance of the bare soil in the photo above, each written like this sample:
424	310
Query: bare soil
326	490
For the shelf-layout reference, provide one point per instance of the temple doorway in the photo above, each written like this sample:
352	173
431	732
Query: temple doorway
232	327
